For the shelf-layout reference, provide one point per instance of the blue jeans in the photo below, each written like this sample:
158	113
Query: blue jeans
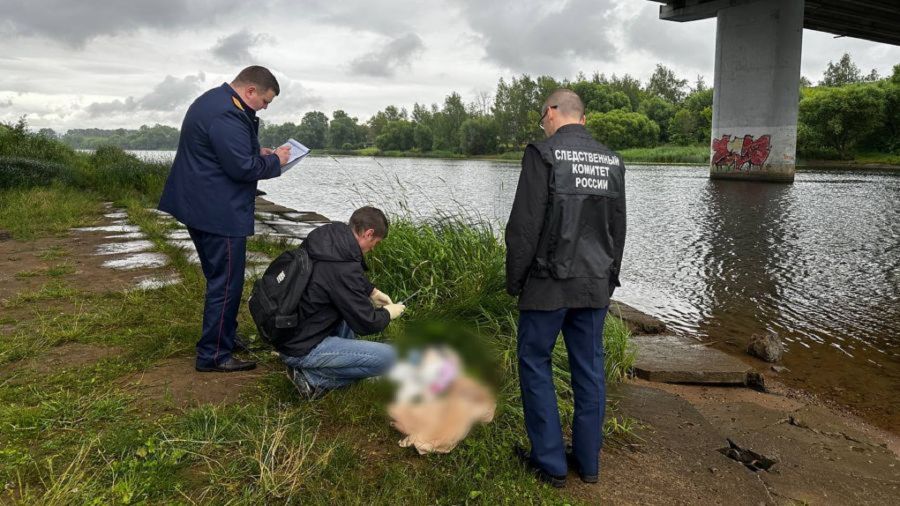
342	359
582	330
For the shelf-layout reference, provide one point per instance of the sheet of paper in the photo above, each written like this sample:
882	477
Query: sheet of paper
298	152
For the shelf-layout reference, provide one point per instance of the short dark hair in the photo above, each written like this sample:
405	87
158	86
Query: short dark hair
368	217
567	102
260	77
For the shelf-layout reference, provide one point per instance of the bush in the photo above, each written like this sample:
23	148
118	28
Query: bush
25	172
423	138
114	171
839	118
17	142
619	129
396	135
478	136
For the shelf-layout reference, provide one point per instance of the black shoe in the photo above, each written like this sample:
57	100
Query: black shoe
525	459
230	365
302	385
573	464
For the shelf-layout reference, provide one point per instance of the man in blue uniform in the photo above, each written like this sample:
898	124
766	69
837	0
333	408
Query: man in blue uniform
212	190
564	244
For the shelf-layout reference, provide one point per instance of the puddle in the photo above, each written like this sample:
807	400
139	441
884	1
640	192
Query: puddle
138	261
155	282
109	228
116	248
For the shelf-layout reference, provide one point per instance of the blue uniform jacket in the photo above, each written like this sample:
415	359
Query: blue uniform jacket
212	184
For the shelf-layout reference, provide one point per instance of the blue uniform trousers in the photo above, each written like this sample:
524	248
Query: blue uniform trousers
583	333
223	259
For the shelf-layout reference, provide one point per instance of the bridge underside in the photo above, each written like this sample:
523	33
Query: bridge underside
757	73
875	20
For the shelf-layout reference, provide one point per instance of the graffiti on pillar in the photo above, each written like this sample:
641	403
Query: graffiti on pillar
738	153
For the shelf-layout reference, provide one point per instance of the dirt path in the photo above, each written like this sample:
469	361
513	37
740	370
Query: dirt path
822	457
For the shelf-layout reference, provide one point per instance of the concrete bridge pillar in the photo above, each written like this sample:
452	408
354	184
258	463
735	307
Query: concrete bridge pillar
757	87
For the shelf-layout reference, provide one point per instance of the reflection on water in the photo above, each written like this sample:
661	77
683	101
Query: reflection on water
817	262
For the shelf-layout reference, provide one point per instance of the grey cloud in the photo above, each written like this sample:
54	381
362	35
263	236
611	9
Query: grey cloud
235	48
294	99
377	17
535	36
75	23
171	93
689	44
6	103
384	62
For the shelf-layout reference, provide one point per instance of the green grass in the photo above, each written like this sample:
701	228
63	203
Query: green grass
695	155
72	434
42	211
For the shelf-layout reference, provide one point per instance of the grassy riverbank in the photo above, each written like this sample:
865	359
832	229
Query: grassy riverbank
698	155
659	155
75	430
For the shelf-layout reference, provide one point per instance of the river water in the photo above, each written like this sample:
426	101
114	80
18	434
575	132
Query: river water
817	262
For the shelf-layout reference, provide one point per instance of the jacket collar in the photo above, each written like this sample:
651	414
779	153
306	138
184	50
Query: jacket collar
575	128
238	101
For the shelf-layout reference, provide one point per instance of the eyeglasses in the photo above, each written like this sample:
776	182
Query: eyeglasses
544	115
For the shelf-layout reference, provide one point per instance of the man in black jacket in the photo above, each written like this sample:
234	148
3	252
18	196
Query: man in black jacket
339	302
564	240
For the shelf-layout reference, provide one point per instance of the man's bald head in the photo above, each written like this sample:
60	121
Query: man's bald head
562	107
567	102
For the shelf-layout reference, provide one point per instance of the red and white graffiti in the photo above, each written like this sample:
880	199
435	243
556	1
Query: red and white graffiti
728	152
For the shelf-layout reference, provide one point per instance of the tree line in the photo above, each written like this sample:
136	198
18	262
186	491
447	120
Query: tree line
848	111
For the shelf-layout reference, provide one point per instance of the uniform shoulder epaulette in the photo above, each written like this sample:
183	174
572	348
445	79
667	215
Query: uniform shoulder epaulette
237	103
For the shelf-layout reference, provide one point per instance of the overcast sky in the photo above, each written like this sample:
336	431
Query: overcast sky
113	63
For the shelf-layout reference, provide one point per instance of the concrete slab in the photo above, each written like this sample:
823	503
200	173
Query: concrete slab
117	248
678	359
637	321
179	234
138	261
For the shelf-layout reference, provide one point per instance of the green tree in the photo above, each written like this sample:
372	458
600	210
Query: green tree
683	127
422	137
396	135
600	97
841	73
478	136
517	111
49	133
345	132
621	129
631	87
447	122
661	112
664	83
313	130
839	118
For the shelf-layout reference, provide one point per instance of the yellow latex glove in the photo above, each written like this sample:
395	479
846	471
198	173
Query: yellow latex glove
395	310
379	298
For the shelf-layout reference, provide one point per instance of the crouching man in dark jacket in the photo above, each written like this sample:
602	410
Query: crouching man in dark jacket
339	303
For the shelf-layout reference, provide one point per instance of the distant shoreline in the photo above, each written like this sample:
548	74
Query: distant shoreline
512	157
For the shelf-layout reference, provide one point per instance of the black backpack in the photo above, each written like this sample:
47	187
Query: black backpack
275	299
